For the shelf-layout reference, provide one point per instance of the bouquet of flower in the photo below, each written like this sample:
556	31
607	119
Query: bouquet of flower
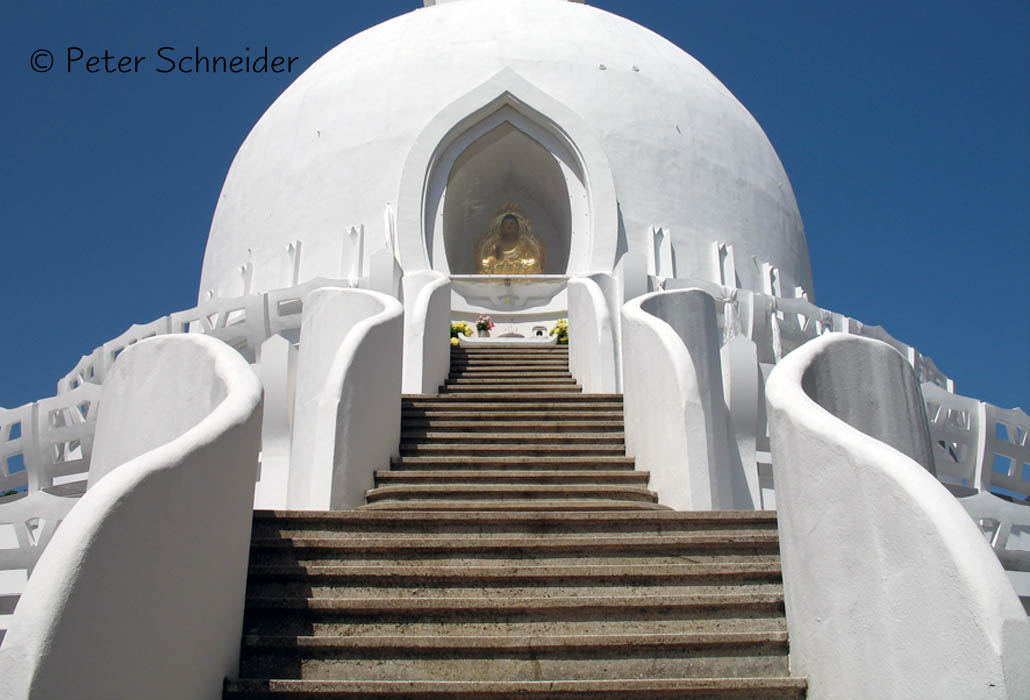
483	323
561	329
459	328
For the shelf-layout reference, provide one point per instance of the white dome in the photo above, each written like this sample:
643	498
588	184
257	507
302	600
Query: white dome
641	133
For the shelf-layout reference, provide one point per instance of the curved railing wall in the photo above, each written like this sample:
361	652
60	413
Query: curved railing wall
348	397
887	554
156	551
675	413
594	347
427	339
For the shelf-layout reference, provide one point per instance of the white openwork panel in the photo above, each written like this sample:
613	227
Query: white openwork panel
1007	449
956	424
65	427
45	448
15	439
135	333
285	306
241	323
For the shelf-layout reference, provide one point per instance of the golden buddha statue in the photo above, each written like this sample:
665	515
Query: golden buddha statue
509	246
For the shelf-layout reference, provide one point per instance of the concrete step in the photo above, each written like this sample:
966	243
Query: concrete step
476	492
517	462
410	478
524	370
511	438
477	414
362	579
518	349
586	550
490	424
771	688
463	448
280	524
518	401
551	390
514	505
507	369
510	356
517	657
513	382
557	615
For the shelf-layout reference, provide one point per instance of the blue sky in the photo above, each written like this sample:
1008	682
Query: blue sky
903	128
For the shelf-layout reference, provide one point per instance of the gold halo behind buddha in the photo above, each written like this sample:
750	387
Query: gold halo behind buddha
496	255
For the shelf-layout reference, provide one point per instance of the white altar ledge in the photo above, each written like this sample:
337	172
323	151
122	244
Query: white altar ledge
508	292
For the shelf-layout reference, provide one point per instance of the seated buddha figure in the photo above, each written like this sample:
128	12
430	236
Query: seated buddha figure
509	247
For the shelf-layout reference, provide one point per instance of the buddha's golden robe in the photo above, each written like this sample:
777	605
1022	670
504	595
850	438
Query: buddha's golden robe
525	257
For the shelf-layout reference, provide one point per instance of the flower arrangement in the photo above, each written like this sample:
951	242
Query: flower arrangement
483	323
561	329
459	328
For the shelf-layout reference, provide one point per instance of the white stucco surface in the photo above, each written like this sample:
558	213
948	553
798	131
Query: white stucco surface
592	350
891	591
347	411
676	424
427	337
140	593
629	117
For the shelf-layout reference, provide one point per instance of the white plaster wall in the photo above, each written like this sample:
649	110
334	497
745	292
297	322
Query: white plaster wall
676	424
140	593
891	591
347	409
592	354
684	153
427	337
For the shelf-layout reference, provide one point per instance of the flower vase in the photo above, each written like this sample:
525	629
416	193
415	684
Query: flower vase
483	333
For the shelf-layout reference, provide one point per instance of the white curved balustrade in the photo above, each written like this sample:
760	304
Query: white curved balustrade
348	396
427	338
891	591
594	354
675	413
146	575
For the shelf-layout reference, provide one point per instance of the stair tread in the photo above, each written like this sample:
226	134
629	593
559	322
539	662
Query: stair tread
505	489
379	543
515	642
582	396
514	505
495	690
460	447
484	436
513	459
510	474
521	572
706	516
521	604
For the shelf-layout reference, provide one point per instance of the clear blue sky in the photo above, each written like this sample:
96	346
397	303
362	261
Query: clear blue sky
902	125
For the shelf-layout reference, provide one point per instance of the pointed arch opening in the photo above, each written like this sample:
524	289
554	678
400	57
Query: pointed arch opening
499	163
507	141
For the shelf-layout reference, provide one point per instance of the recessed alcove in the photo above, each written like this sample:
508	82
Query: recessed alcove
505	165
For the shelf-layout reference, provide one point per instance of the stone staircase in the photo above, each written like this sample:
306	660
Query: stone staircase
512	551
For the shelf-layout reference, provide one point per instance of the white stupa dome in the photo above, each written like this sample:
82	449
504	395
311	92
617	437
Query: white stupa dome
601	129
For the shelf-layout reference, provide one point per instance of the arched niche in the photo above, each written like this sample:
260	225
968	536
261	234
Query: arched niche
505	157
559	130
